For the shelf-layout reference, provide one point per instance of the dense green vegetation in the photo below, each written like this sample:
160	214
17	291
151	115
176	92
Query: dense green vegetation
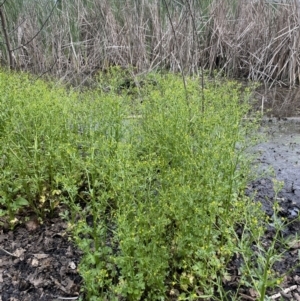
150	177
149	172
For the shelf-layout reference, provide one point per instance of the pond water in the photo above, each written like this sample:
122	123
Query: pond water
281	150
278	101
281	123
279	158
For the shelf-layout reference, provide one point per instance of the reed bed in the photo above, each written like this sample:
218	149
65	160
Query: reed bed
73	40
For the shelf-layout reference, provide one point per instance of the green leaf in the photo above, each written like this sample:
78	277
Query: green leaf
21	202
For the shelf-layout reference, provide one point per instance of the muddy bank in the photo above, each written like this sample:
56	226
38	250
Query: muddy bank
279	157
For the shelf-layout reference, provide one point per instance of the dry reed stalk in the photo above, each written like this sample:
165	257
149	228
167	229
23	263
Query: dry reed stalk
246	39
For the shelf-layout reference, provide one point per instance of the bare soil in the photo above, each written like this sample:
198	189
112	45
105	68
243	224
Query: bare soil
38	262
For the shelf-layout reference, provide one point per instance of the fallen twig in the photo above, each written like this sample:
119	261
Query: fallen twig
67	298
1	249
246	297
296	296
285	291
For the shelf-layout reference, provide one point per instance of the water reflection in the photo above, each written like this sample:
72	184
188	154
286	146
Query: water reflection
278	101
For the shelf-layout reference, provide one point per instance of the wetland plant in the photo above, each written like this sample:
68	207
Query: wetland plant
153	190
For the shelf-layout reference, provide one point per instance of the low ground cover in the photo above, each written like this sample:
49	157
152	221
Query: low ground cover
150	177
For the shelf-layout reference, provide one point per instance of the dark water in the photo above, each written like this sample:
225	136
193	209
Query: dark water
278	158
278	101
280	152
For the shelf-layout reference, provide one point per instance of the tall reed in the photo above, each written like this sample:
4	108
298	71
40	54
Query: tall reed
72	40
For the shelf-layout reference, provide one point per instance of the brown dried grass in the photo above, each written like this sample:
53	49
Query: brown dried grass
252	39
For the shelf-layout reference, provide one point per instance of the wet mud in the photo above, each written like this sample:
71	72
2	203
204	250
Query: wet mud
278	158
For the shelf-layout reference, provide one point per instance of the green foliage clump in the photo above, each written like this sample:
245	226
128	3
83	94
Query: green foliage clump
35	131
154	188
171	195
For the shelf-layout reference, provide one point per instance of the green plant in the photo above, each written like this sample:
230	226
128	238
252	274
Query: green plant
164	190
153	190
260	254
35	140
